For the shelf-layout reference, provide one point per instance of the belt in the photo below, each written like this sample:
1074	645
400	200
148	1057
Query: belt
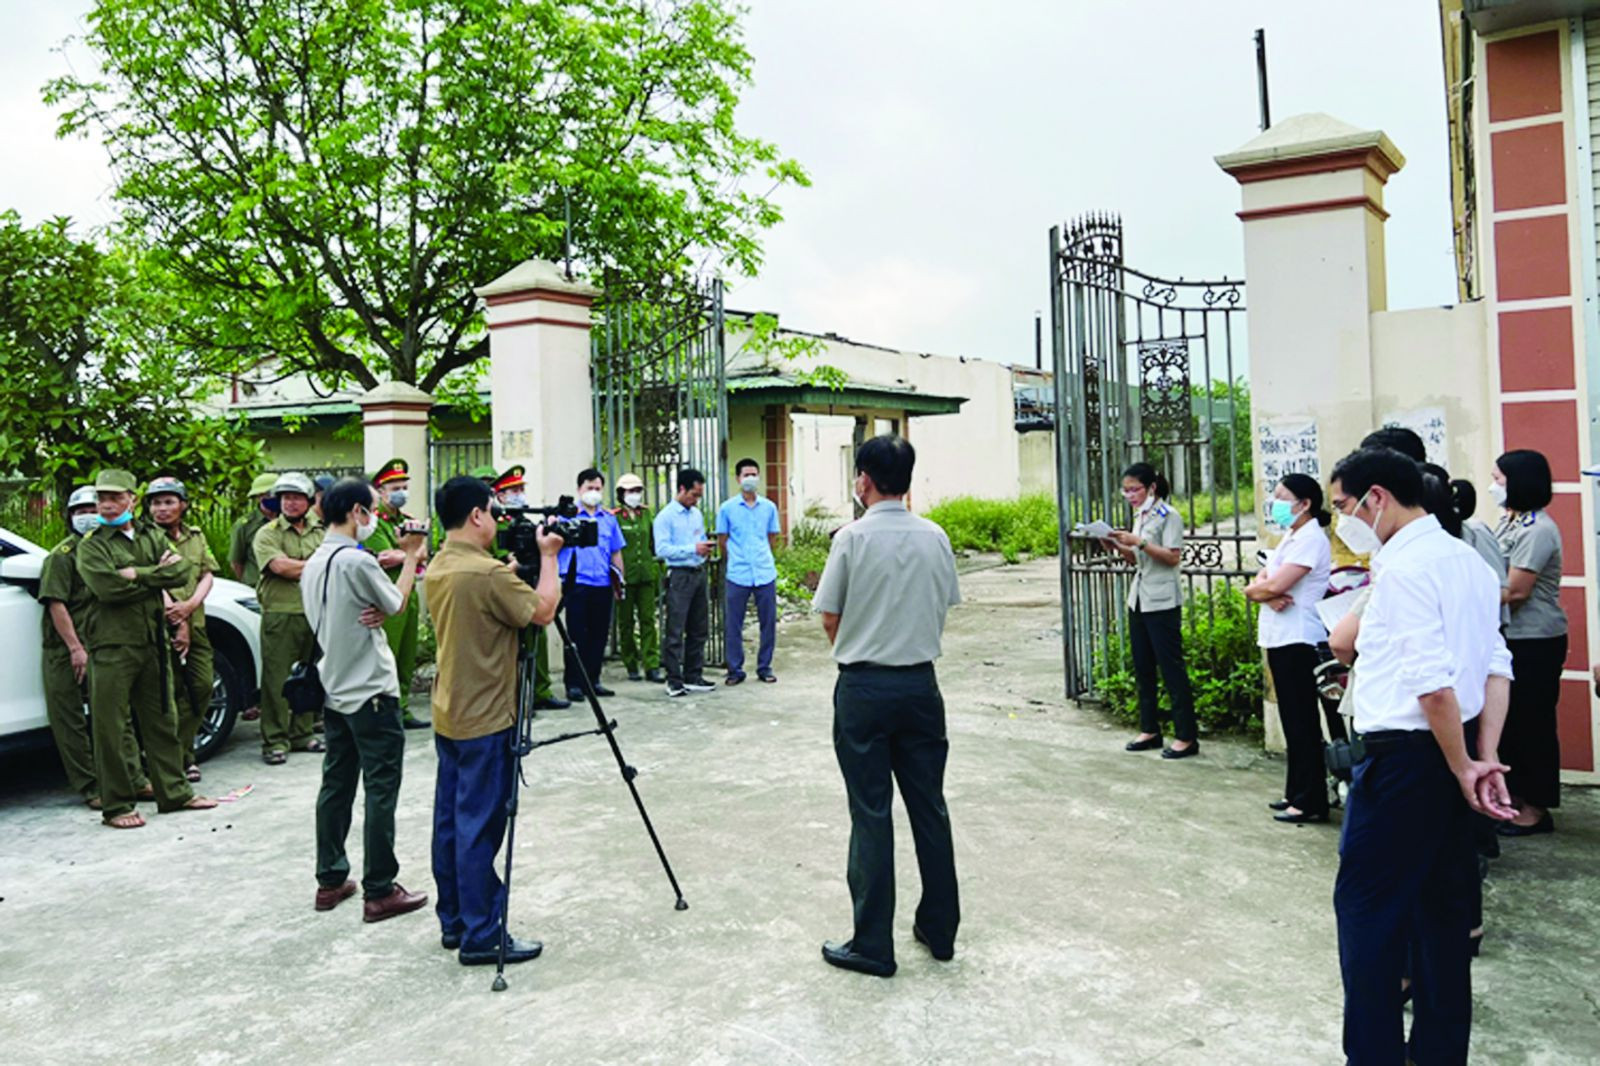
689	569
852	667
1389	740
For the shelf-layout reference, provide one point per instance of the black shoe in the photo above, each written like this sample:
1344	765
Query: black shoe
550	704
1300	817
733	679
516	951
410	722
1278	805
1148	744
601	690
450	941
655	677
675	691
1512	829
846	957
943	956
1181	753
576	695
634	675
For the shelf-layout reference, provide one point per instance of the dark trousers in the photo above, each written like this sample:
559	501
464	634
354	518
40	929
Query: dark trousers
1157	639
588	626
1407	873
888	727
469	822
1294	678
1530	745
739	597
369	746
683	645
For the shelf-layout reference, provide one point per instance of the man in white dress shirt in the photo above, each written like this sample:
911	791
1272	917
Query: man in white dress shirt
1435	678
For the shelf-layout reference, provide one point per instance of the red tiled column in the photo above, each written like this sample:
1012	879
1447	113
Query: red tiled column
775	441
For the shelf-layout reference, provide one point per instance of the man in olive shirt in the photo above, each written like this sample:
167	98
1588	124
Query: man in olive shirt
889	580
242	538
281	548
126	564
637	637
479	608
168	501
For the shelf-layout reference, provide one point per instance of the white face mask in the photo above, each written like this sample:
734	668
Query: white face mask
367	528
398	498
751	483
83	523
591	498
1357	535
1497	492
633	499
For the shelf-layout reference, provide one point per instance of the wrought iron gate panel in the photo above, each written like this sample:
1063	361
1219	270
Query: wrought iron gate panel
659	383
1137	359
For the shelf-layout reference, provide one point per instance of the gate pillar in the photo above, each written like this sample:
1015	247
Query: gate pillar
394	424
539	383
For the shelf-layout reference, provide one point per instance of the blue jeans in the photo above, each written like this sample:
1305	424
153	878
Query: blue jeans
766	597
469	822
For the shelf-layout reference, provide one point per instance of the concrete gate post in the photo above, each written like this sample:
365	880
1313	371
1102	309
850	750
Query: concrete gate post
394	424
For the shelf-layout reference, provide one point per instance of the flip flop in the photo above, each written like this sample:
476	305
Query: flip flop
192	773
92	802
131	820
315	747
196	803
275	758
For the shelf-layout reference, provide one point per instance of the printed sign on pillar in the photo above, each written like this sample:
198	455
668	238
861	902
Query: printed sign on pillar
1286	448
1427	423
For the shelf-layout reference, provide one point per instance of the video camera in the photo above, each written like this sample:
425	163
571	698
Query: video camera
519	536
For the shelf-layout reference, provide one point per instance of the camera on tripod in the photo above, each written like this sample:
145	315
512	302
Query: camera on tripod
519	537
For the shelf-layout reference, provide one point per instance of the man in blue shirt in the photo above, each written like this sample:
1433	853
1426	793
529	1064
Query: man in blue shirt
586	586
747	531
681	544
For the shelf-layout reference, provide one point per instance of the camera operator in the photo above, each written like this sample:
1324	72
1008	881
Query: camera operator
479	607
588	576
347	597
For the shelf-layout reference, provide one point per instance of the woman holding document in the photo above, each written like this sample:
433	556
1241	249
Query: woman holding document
1295	579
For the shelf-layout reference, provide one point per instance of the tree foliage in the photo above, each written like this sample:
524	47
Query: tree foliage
88	375
333	177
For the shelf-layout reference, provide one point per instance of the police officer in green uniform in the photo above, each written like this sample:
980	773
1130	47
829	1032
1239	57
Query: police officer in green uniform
510	491
393	483
242	538
636	613
66	661
282	547
126	564
167	500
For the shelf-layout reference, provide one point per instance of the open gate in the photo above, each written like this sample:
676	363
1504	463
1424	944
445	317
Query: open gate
661	403
1145	369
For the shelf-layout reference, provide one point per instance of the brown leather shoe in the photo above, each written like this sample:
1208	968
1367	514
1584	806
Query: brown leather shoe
329	898
397	902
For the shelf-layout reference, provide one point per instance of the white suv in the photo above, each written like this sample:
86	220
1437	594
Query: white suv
233	621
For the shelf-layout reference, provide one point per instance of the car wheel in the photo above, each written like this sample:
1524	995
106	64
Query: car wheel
228	693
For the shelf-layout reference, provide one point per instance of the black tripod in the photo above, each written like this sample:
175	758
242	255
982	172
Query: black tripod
524	743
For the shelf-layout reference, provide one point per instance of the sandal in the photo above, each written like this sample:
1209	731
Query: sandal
196	803
131	820
192	773
769	679
92	802
315	747
274	758
148	792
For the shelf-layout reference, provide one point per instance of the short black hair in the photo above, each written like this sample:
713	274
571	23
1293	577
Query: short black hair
589	474
1528	480
689	477
738	468
1405	441
1395	471
343	497
887	461
457	498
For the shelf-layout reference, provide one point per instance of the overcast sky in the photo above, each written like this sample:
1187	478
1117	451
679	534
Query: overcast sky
944	139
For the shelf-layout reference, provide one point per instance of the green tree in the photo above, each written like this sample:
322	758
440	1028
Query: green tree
89	376
332	177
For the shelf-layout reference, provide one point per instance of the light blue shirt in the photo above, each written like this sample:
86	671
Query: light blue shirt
746	526
594	564
678	529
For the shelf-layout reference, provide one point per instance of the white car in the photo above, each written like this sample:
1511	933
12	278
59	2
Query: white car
233	621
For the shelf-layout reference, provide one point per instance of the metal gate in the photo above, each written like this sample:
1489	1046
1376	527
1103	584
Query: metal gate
661	404
1145	369
448	458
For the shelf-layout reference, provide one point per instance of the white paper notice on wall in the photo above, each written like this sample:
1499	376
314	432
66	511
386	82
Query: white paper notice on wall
1427	423
1287	448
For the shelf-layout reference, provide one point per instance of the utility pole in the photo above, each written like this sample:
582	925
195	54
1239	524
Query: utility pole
1038	341
1261	79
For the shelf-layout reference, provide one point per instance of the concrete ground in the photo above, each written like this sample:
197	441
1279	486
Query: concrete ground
1117	909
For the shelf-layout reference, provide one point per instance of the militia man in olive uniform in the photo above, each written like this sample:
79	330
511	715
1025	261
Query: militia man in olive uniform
510	491
636	613
282	547
126	565
242	538
393	483
168	501
66	660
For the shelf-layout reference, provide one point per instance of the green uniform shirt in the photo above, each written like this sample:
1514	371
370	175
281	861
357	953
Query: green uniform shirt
123	612
59	581
191	544
639	563
387	535
241	546
279	540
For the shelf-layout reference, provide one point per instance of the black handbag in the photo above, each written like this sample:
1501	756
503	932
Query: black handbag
303	689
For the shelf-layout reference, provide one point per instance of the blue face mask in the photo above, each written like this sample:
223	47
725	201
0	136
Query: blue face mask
271	505
1282	513
121	520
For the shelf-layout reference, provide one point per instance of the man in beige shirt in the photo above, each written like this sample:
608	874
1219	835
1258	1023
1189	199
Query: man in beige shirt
890	578
479	608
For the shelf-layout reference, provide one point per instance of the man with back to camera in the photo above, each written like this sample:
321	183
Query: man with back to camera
747	532
1435	680
479	608
680	532
347	597
890	578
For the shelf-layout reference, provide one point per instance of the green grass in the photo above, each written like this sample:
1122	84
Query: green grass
1024	526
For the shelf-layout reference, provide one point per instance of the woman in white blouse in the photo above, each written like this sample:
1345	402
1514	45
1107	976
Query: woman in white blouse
1296	577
